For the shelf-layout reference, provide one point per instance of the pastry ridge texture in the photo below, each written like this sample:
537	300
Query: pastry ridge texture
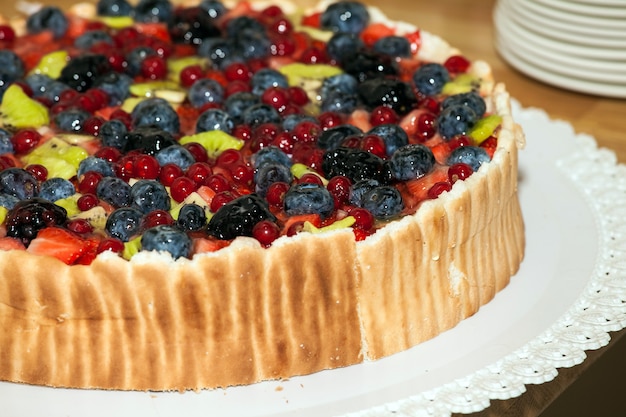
245	313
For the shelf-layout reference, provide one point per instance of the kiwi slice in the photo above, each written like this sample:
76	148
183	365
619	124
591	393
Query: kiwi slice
214	141
20	111
485	128
52	64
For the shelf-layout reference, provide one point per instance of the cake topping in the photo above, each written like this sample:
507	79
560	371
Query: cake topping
151	126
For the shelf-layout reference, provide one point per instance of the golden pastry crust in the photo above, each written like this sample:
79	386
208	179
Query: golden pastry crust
245	313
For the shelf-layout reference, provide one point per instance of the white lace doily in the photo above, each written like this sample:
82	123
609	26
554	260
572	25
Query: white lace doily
586	325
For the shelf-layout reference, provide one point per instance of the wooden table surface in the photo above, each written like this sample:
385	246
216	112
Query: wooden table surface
468	25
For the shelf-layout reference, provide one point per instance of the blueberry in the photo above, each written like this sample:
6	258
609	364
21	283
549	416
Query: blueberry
270	154
82	71
237	103
191	218
383	202
28	217
308	198
205	91
214	8
339	94
124	223
473	156
114	8
220	51
342	46
4	83
164	238
6	146
238	217
358	190
266	78
455	120
54	189
430	78
214	119
148	140
331	139
11	64
395	46
259	114
114	191
153	11
393	135
92	163
48	18
291	121
269	173
8	201
253	45
136	56
155	112
411	161
113	133
345	16
387	92
177	155
366	65
46	87
71	120
355	164
91	38
116	85
149	195
18	183
472	100
240	24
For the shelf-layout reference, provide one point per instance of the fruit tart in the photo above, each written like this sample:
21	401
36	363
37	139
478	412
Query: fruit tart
204	194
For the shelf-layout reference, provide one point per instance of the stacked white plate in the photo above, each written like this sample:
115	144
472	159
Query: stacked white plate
578	45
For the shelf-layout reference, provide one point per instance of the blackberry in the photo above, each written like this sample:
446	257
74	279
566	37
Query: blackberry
366	65
148	140
238	217
192	25
355	164
387	92
82	71
28	217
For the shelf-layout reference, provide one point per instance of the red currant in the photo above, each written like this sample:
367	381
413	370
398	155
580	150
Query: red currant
181	187
199	172
238	71
40	172
310	178
457	64
24	140
306	131
169	173
80	226
276	193
198	151
190	75
7	34
297	95
111	244
438	188
339	188
156	218
459	171
364	219
220	199
383	115
375	145
276	97
218	183
88	183
108	153
87	202
266	232
146	167
154	67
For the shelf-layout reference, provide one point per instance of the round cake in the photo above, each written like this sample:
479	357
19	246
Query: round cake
204	194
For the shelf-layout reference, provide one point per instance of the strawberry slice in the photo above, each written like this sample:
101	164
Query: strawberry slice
89	253
374	32
11	243
59	243
201	245
490	144
312	20
418	188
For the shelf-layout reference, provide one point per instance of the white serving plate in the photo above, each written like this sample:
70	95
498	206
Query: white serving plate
530	68
568	296
521	12
588	9
610	73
